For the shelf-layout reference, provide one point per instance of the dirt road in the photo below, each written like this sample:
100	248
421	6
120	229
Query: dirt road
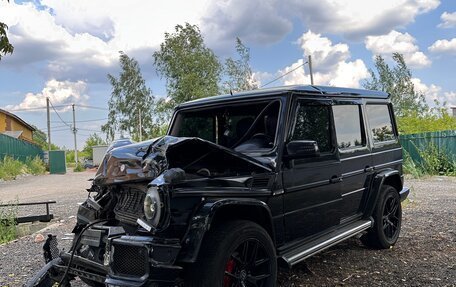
425	254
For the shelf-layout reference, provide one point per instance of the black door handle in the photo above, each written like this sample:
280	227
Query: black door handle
335	179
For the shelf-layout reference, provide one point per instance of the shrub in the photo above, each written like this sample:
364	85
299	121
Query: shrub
78	168
432	161
8	223
10	168
35	166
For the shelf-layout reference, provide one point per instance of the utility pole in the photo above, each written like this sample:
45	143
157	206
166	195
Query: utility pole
74	133
48	124
310	70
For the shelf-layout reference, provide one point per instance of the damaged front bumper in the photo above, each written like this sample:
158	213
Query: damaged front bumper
125	261
139	261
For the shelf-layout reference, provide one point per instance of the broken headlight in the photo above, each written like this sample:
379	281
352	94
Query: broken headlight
152	206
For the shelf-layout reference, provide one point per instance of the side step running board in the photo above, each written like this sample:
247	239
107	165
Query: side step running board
309	249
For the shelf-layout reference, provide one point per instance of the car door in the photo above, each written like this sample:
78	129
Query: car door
312	195
356	162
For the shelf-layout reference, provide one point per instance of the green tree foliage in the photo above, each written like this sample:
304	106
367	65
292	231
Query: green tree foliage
131	103
191	69
40	139
239	72
92	140
5	45
439	120
397	81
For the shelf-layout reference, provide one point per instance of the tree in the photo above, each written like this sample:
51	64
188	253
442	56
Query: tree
239	72
131	105
92	140
5	45
397	81
191	69
40	139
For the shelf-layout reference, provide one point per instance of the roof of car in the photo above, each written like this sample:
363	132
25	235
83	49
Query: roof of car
308	89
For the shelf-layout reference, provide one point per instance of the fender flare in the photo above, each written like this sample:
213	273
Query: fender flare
201	222
375	188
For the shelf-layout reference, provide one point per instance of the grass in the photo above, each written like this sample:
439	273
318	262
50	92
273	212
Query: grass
8	223
78	168
432	161
35	166
10	168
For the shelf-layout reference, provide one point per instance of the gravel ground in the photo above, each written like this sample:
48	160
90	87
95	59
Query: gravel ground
425	254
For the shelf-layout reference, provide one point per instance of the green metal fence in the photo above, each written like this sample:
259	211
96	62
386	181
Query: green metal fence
443	141
18	149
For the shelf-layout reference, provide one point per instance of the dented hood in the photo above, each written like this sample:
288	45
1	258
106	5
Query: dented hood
145	161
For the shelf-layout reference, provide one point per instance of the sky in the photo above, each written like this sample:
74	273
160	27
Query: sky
65	49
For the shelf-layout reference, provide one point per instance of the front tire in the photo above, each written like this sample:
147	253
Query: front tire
387	220
236	253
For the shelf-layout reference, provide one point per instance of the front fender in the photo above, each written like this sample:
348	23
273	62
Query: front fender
201	222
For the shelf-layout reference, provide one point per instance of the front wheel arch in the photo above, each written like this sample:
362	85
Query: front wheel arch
215	212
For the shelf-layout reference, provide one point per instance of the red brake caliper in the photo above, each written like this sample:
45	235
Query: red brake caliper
229	267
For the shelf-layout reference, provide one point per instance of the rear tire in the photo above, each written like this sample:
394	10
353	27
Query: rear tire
236	253
387	220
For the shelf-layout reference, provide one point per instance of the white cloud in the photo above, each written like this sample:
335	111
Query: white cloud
444	46
81	39
331	64
262	78
74	40
403	43
448	20
59	93
358	18
255	21
268	21
433	92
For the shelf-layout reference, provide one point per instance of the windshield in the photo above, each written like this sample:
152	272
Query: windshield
242	127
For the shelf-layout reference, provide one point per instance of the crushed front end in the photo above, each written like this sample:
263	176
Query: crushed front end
128	232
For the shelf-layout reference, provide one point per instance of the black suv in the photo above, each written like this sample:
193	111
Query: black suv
240	184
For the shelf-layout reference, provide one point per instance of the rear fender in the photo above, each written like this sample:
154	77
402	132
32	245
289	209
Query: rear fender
383	177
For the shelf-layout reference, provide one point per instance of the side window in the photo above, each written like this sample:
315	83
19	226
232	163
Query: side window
380	123
349	126
313	123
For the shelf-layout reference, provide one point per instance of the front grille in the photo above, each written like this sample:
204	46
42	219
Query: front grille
130	261
129	207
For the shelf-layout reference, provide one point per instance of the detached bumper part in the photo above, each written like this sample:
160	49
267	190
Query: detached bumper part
404	193
138	261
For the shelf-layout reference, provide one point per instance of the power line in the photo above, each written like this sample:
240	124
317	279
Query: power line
284	75
94	120
84	121
59	115
89	130
91	107
36	108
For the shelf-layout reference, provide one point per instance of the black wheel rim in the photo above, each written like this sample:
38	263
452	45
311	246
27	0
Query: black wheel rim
391	218
249	265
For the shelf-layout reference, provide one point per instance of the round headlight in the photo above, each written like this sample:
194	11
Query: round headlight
152	206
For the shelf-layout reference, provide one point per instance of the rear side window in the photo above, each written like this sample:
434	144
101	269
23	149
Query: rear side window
349	126
313	123
380	123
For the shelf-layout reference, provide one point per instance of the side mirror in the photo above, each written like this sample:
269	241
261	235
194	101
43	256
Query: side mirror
302	149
